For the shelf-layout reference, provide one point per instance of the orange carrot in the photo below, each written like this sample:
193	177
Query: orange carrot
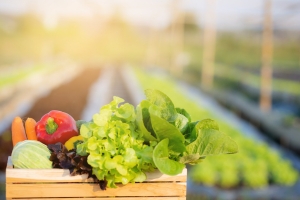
17	130
30	129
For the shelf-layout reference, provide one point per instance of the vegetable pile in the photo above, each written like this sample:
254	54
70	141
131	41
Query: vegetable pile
122	142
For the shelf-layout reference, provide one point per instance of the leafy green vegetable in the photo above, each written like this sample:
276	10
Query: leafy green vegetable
115	149
184	113
188	142
31	154
143	118
162	161
164	106
210	141
163	130
122	143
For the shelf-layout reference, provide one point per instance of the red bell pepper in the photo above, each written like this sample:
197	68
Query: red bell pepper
56	126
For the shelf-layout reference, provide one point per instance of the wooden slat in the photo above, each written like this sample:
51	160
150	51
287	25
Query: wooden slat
63	175
158	176
93	190
110	198
43	175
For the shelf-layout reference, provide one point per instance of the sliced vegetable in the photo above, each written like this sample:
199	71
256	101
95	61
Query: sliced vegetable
73	142
30	129
18	131
56	126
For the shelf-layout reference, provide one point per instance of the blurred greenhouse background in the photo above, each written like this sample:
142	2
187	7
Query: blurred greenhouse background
234	61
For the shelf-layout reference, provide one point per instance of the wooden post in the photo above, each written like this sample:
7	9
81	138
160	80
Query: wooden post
177	37
209	42
267	51
151	56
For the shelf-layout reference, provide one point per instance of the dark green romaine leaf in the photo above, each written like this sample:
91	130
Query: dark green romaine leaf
162	161
142	118
181	123
190	133
184	113
164	129
164	107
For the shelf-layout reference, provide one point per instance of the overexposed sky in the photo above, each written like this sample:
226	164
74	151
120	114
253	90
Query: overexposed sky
230	14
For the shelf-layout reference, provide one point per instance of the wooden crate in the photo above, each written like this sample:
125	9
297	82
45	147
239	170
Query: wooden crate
58	184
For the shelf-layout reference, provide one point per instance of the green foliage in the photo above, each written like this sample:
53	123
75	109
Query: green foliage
162	160
256	165
121	143
180	141
115	150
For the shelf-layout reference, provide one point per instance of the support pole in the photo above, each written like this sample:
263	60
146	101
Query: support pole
267	51
209	42
177	38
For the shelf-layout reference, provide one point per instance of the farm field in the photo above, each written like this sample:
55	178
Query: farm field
235	63
239	168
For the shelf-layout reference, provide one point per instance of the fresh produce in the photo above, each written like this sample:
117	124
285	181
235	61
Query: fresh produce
30	129
77	165
73	142
180	141
56	126
227	171
114	148
121	143
18	131
31	154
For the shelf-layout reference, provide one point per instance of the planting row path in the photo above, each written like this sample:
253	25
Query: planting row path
17	99
114	81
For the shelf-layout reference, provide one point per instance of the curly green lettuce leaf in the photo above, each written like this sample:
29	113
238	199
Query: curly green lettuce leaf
113	145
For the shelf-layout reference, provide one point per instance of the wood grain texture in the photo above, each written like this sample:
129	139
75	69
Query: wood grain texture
93	190
63	175
58	184
110	198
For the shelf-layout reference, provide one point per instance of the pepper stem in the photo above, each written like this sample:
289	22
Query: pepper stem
51	126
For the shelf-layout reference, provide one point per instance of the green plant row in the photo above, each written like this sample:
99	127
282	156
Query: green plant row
20	74
256	165
240	76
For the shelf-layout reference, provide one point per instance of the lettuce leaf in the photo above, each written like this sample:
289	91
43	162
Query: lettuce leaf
164	107
164	129
162	161
210	141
